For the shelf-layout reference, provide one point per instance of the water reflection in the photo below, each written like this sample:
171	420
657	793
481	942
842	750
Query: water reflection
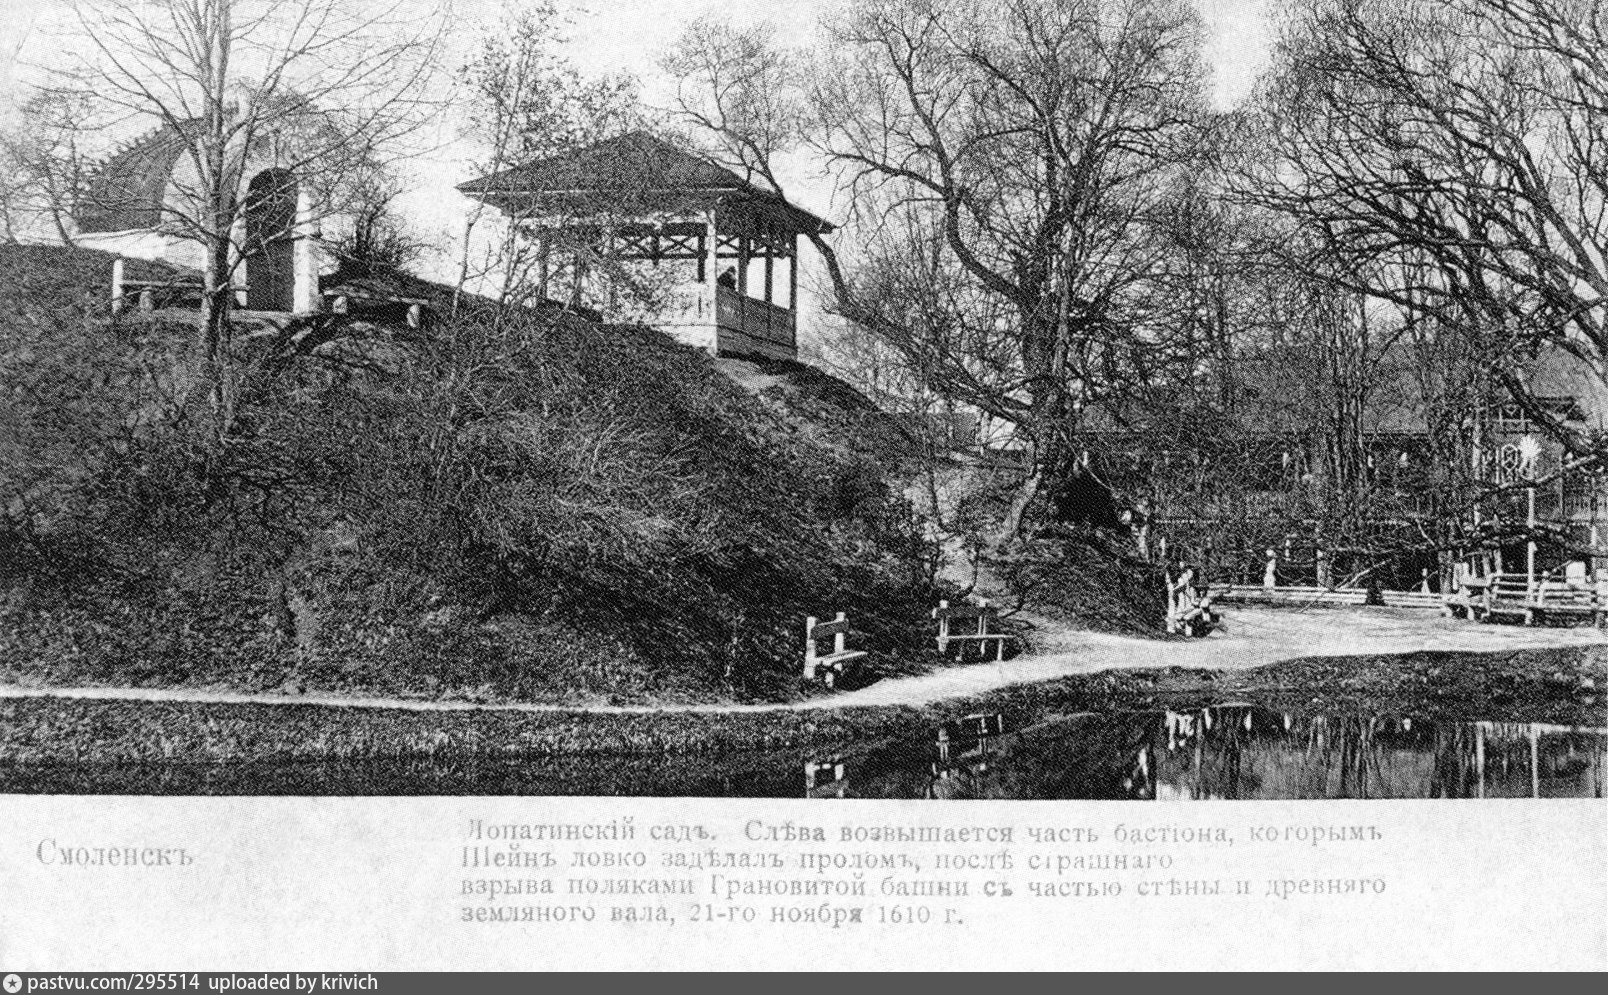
1234	751
961	767
1227	751
825	778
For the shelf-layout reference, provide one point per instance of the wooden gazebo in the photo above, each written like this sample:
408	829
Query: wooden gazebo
637	197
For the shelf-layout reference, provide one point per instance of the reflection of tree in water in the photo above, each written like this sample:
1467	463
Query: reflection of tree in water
1210	753
1454	774
1093	757
1240	752
1223	772
1337	747
1519	760
1110	757
1249	753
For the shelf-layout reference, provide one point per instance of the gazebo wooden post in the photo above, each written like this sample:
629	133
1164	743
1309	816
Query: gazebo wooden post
769	242
770	268
744	253
709	282
792	279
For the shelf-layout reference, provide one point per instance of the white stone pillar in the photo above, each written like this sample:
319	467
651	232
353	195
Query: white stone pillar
709	334
305	297
238	274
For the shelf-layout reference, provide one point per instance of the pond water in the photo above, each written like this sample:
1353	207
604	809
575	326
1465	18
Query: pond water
1228	751
1231	752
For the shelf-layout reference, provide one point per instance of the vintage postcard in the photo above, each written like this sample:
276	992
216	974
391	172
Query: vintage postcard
659	484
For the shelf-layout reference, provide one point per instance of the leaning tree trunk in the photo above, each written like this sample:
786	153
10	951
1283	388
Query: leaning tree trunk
1051	430
1026	491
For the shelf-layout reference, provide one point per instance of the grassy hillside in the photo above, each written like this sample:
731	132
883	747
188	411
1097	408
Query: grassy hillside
525	506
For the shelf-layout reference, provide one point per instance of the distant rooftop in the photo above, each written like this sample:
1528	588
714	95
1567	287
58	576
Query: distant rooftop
633	167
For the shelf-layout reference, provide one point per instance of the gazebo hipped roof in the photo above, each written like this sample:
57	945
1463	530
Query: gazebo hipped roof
636	169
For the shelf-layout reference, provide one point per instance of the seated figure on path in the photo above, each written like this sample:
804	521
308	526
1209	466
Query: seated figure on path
1189	608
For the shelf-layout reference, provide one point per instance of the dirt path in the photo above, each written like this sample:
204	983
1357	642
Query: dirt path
1252	637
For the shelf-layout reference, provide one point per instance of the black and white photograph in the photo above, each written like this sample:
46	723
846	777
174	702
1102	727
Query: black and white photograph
846	401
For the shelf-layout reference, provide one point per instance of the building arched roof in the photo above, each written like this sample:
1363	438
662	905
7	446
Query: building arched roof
128	190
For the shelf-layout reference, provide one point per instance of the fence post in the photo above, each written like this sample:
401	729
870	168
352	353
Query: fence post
809	648
117	283
1270	577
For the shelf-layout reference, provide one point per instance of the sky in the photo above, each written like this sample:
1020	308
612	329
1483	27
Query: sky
629	35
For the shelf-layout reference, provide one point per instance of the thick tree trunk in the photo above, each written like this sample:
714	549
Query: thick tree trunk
213	331
1025	493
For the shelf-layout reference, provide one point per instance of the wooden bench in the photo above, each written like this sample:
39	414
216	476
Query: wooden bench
974	622
1468	601
1513	596
1562	599
1197	617
341	302
149	295
1189	609
1508	596
828	666
1411	599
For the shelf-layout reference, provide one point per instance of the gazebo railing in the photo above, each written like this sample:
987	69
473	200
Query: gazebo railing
755	318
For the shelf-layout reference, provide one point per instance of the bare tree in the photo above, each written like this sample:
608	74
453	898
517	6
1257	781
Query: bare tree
1456	153
323	85
372	232
526	100
46	160
1009	165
